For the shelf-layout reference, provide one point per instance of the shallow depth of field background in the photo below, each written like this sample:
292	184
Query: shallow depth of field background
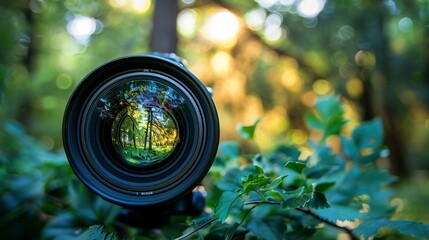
264	58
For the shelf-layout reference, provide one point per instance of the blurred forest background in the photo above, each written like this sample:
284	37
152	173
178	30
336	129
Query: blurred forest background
269	58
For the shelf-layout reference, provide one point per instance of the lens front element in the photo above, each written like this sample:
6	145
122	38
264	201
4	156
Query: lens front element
141	131
144	118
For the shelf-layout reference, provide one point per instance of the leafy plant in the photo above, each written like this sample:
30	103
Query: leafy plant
34	182
284	193
281	194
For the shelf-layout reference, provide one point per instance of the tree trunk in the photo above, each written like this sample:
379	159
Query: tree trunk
164	28
389	105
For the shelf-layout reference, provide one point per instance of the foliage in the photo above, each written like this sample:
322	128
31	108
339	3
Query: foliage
283	194
362	49
39	187
267	196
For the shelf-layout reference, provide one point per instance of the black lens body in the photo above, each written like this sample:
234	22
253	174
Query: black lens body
141	131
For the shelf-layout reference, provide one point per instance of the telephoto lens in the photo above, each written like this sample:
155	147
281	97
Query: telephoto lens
141	131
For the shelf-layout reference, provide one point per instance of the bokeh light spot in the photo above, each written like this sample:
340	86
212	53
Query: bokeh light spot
291	80
118	3
267	3
222	28
221	63
63	81
186	22
49	102
365	58
255	19
141	6
322	87
309	99
310	8
354	87
273	33
81	28
47	142
405	24
299	137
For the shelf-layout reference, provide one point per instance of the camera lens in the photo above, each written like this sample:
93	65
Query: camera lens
145	121
141	131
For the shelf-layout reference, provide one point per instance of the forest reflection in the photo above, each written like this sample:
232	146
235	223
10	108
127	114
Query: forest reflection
144	117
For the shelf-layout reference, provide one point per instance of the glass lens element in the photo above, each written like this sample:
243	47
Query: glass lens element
144	118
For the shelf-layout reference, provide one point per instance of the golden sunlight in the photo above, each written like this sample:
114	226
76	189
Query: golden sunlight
187	22
221	63
291	80
222	28
139	6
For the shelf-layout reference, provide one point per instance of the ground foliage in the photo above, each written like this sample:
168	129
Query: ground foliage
281	194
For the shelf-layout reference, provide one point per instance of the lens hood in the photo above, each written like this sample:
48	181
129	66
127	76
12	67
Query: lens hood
141	130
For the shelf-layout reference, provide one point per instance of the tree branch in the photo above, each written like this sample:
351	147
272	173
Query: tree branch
197	229
307	211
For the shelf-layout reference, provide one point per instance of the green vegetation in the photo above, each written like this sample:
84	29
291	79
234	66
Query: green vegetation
269	195
308	168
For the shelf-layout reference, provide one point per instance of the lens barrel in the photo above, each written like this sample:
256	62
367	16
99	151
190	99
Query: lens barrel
141	130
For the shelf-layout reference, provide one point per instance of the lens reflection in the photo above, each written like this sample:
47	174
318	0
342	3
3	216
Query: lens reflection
144	121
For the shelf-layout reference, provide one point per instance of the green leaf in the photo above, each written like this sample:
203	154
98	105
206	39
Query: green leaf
230	149
314	121
329	106
64	224
337	212
323	187
226	201
369	158
300	200
295	166
334	125
259	170
274	183
350	149
318	201
327	116
248	132
267	228
291	153
368	134
97	232
274	194
412	228
252	182
372	178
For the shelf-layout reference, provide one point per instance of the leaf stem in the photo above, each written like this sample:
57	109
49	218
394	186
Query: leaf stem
261	195
247	213
307	211
196	229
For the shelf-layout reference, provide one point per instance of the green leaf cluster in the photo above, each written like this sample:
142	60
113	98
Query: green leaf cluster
278	195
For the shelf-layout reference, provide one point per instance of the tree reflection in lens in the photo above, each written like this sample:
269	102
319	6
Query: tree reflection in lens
144	128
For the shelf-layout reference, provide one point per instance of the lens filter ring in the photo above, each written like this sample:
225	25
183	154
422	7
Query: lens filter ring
141	131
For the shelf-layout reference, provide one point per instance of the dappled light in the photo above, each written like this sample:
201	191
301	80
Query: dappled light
221	28
265	61
81	28
187	23
310	8
138	6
